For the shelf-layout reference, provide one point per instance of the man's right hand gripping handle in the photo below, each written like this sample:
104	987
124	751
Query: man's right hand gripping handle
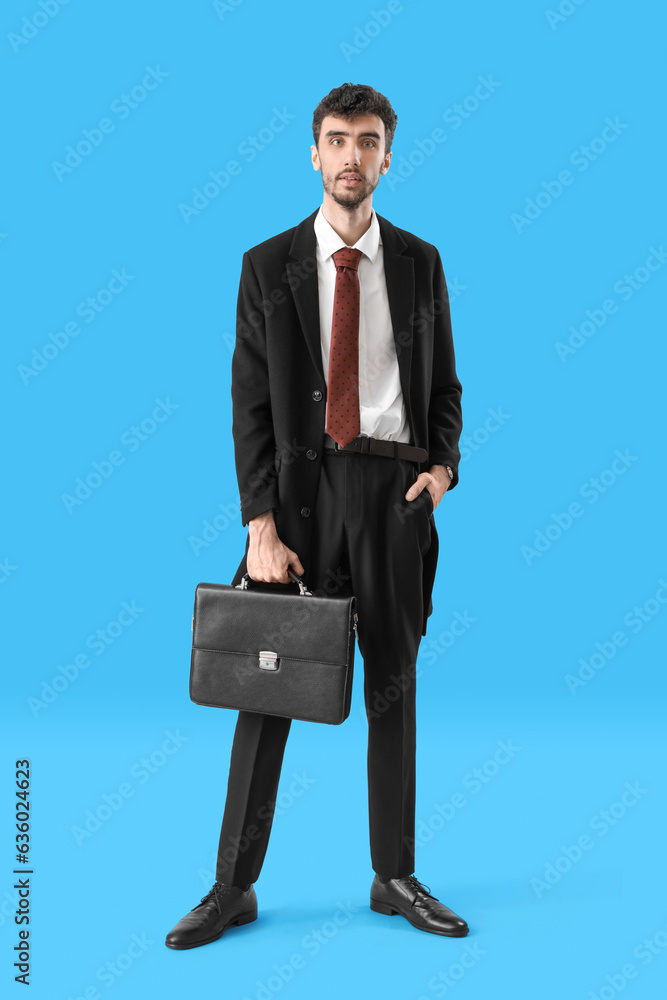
268	559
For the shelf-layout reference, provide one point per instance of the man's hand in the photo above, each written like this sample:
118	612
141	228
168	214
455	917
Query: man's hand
436	481
268	559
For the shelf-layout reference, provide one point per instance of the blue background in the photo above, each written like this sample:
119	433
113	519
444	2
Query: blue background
517	289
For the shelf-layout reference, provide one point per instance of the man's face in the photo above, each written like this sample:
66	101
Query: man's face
351	156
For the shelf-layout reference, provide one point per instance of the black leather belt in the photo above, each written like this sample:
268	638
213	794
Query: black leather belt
379	446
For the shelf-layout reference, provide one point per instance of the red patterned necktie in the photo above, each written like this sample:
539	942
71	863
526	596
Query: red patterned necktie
342	421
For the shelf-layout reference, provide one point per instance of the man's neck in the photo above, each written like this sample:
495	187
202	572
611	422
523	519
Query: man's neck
350	225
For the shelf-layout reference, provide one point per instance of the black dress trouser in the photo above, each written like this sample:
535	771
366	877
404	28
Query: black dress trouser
368	540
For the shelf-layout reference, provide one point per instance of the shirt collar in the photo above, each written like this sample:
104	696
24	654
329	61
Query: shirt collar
329	241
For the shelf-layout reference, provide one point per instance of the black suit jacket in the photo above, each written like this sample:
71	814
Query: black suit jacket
279	386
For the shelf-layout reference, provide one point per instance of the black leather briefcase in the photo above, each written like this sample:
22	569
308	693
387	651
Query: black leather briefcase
260	649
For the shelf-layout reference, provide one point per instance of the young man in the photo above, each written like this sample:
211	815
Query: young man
346	422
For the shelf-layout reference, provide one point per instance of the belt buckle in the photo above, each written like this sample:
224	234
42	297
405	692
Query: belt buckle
331	443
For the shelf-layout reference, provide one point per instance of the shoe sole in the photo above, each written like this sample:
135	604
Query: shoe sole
243	918
391	912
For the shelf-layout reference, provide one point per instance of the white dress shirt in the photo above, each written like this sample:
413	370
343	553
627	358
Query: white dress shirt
381	408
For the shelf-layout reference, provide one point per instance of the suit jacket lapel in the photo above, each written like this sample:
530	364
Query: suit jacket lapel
400	278
399	272
302	277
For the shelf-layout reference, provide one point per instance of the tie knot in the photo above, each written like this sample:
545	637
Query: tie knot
347	257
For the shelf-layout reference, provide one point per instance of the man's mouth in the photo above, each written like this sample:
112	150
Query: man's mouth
350	178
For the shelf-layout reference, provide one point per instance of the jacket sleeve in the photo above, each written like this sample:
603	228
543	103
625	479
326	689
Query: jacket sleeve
444	413
252	422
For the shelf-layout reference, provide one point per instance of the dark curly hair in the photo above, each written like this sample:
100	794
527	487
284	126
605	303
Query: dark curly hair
352	99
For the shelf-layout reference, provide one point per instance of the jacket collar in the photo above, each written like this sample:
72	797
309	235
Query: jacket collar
329	241
304	243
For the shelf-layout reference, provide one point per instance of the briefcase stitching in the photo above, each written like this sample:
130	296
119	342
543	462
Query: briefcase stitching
283	656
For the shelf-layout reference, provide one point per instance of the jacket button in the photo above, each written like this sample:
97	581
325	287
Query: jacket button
317	395
305	511
311	454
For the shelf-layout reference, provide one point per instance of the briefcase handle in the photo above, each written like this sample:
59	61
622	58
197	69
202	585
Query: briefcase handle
303	591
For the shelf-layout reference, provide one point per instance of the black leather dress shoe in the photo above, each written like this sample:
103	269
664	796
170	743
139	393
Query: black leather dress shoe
222	907
410	897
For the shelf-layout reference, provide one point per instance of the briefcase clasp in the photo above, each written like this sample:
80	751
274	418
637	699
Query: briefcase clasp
268	660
